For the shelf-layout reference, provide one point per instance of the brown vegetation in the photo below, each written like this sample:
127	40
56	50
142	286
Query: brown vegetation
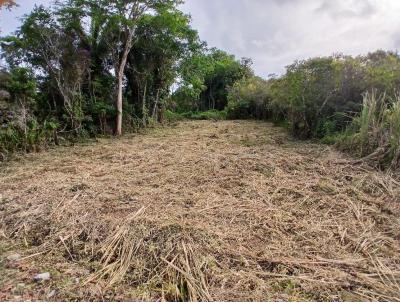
225	211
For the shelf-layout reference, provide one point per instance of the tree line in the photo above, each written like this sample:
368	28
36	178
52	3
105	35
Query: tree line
352	102
86	67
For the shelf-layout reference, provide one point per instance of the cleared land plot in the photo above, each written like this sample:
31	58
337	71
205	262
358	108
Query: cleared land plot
203	211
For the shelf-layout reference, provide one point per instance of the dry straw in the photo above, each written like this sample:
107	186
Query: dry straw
227	211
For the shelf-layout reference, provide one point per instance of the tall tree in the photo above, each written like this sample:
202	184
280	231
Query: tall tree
47	44
163	40
121	17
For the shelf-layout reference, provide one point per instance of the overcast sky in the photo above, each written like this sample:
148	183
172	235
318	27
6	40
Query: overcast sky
274	33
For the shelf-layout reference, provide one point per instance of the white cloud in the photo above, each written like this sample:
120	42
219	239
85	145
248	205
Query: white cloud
274	33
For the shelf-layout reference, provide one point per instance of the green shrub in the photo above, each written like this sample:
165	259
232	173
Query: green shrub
239	109
325	128
320	96
171	116
14	138
249	98
394	124
375	133
209	115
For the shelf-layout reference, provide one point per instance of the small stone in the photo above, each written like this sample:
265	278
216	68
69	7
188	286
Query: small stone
42	277
14	257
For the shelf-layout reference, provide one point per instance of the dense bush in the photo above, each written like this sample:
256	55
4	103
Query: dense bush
326	97
208	115
172	116
206	78
197	115
249	98
32	137
20	129
319	96
324	94
375	133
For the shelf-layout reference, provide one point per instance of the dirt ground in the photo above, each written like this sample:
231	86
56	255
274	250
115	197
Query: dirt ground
200	211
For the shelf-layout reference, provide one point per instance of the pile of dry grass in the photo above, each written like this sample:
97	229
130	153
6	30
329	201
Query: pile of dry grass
228	211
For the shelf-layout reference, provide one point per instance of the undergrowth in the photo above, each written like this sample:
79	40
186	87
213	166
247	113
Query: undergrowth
30	138
197	115
375	134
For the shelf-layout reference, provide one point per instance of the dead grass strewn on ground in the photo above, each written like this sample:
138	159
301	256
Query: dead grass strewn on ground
204	211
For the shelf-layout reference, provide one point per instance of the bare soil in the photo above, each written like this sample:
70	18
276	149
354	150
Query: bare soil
202	211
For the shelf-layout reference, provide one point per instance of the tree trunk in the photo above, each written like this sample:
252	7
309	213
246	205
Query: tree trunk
121	69
154	115
144	108
118	130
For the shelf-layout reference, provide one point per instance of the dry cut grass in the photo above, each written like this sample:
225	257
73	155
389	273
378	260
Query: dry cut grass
227	211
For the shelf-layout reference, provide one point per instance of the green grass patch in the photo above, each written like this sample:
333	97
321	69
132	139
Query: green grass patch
208	115
197	115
